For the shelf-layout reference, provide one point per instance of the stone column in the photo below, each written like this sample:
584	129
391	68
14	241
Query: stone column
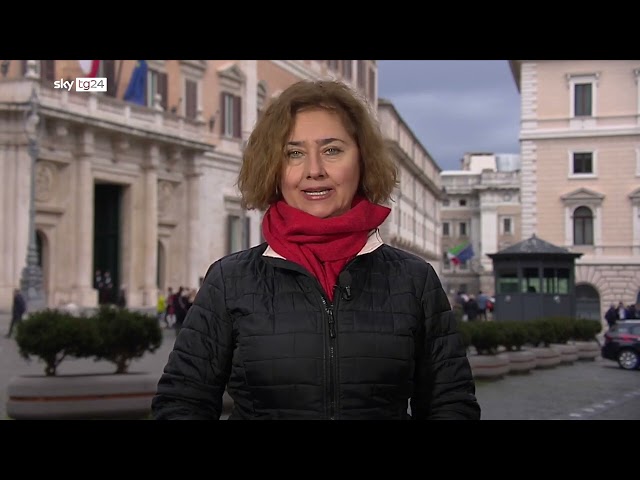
150	288
489	231
195	265
249	118
83	293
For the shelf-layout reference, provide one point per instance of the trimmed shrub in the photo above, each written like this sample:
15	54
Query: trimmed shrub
125	335
486	337
515	334
585	329
53	335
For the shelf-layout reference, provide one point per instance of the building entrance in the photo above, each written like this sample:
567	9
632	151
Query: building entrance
106	240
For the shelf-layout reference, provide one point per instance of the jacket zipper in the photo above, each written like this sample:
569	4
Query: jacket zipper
331	312
332	390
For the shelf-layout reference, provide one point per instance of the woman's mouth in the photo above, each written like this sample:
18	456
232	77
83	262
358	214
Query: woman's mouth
317	194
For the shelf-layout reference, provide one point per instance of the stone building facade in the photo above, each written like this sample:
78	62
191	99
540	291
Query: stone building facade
147	191
481	208
580	149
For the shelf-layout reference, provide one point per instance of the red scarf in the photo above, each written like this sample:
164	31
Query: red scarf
322	245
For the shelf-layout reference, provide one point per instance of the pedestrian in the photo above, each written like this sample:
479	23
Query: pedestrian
18	309
471	308
611	315
121	301
323	320
161	309
483	304
179	308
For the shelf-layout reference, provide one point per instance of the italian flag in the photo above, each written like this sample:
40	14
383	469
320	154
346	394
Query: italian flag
90	67
452	254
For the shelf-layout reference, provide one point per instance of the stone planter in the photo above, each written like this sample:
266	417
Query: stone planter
588	350
489	366
568	352
546	357
93	396
521	361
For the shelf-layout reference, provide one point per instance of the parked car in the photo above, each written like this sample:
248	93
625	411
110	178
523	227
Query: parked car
622	344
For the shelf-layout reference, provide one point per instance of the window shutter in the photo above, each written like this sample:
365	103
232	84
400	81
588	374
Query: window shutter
237	117
47	70
162	89
109	71
191	94
223	116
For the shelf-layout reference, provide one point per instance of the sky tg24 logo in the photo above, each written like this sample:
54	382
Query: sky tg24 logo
98	84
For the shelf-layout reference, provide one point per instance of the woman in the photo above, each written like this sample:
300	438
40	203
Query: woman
323	321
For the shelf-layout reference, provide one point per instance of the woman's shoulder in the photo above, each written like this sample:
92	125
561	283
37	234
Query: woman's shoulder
237	262
394	255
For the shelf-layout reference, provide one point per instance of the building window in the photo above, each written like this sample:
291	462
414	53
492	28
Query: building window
446	262
555	280
583	226
237	236
445	229
582	100
507	281
107	69
583	94
582	163
506	226
530	280
156	83
362	79
333	65
347	67
231	115
462	202
463	229
191	99
48	70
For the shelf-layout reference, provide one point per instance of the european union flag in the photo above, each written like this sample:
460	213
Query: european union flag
136	89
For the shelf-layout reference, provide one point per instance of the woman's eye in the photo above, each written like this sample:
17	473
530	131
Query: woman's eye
294	153
332	151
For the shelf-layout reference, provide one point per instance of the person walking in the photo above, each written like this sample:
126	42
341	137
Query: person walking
18	309
482	302
611	315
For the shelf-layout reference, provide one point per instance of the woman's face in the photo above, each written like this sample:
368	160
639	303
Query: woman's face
322	165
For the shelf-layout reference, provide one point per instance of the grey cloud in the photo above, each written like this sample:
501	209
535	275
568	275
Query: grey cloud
454	107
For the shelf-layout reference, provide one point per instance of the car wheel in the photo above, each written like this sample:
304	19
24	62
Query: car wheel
628	359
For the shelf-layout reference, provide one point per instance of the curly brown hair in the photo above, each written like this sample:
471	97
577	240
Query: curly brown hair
264	155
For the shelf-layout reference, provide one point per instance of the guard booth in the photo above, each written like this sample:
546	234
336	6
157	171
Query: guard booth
534	279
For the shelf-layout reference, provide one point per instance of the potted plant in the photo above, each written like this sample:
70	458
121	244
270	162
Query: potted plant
486	338
114	335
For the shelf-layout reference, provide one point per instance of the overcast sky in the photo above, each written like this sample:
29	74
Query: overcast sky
454	106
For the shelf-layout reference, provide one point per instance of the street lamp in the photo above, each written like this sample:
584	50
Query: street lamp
31	280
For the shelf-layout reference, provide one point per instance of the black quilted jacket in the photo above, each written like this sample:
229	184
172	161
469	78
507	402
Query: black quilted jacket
262	328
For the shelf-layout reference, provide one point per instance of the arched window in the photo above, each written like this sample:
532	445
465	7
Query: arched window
583	226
